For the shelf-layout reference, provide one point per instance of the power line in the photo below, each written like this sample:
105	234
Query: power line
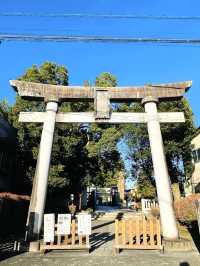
66	38
93	15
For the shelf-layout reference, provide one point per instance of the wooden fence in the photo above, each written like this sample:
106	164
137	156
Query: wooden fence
72	241
148	204
138	233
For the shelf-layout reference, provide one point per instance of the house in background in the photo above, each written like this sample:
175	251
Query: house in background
7	155
195	179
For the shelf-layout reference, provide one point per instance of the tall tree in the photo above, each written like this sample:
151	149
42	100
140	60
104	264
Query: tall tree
102	146
177	143
106	79
80	154
29	133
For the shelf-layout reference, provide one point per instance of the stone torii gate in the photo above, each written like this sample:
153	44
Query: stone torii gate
102	97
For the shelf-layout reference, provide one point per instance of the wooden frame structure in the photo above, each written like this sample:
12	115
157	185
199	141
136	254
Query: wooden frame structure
68	242
139	232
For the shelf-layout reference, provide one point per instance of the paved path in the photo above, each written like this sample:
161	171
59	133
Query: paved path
137	258
102	237
102	254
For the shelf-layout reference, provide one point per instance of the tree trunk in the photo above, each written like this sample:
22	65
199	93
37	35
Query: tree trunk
176	191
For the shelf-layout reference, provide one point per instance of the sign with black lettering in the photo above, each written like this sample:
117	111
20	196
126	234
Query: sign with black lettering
84	224
64	224
49	227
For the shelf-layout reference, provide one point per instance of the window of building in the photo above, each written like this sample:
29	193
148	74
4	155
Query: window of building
196	155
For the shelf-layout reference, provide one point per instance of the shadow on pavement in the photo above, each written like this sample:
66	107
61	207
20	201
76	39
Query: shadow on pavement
101	225
194	231
6	250
12	245
99	239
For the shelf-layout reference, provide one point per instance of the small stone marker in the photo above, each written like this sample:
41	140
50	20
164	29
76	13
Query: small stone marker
49	227
64	224
84	224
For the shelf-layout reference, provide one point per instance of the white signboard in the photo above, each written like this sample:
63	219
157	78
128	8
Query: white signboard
84	224
49	227
64	224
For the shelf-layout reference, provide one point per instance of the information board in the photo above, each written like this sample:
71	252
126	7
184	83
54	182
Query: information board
64	224
49	227
84	224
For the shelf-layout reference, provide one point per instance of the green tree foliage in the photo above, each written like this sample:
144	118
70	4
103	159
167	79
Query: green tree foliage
102	144
48	73
87	154
4	108
145	186
177	144
106	79
81	154
29	133
177	139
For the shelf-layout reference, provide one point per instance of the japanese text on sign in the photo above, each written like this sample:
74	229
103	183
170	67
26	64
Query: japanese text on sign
49	226
64	224
84	224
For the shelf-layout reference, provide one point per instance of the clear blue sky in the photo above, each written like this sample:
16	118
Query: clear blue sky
133	64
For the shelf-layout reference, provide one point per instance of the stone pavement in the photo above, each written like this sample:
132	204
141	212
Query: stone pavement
102	253
137	258
102	237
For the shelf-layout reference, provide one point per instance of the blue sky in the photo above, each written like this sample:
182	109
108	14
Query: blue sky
133	64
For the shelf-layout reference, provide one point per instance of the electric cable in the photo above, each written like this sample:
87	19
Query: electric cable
68	38
98	15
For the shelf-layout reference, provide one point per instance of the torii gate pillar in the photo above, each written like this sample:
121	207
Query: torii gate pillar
163	185
39	191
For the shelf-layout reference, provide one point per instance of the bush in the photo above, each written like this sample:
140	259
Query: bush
185	208
155	212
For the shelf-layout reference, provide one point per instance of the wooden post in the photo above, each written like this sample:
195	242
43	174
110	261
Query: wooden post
144	231
121	186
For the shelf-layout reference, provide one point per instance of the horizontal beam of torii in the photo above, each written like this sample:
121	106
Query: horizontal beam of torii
102	97
149	95
63	93
89	117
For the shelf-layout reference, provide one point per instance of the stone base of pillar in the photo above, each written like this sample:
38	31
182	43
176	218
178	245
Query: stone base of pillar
179	245
34	246
30	236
